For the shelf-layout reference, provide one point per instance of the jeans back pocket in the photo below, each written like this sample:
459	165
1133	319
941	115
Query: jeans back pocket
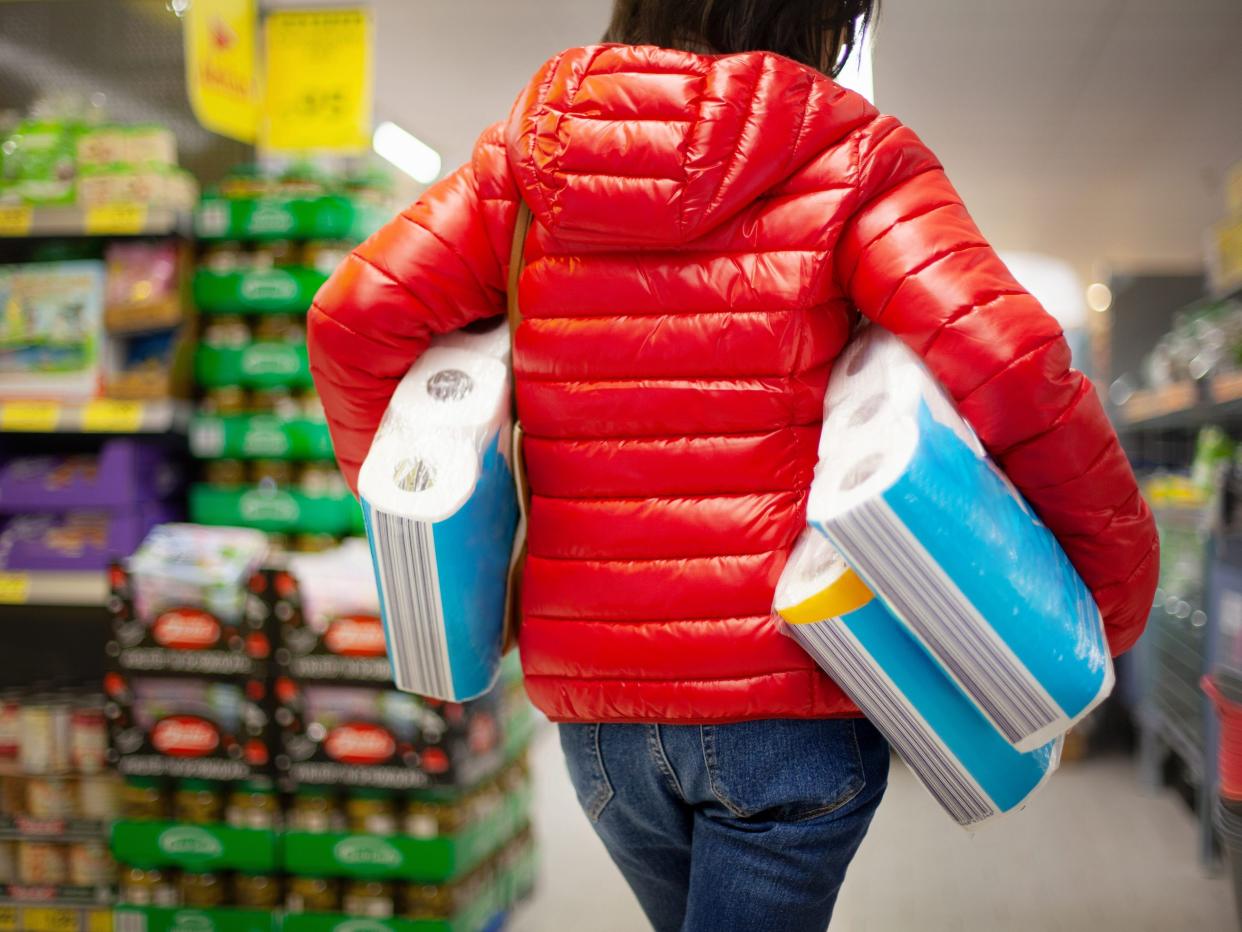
789	769
586	767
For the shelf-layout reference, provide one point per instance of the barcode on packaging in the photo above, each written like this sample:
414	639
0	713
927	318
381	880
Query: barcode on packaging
409	584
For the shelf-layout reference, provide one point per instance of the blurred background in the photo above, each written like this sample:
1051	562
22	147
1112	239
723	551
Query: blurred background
163	227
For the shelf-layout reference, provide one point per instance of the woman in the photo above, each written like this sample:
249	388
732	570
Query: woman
712	213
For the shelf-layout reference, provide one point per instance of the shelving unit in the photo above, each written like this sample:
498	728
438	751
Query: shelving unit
104	416
1180	645
22	221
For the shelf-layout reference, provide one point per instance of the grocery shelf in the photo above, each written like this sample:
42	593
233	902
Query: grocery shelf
1182	404
106	220
22	828
104	416
71	588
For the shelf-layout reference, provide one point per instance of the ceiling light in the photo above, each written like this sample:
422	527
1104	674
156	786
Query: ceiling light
1099	297
406	152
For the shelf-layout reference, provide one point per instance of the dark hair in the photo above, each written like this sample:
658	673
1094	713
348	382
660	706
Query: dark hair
819	33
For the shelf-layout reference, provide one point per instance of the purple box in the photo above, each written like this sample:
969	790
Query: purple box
77	540
123	474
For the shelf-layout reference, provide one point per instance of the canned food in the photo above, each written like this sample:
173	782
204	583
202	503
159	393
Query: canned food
88	737
280	328
318	479
90	865
256	891
312	895
314	810
226	331
225	400
313	543
254	805
147	886
427	901
373	812
41	863
38	729
271	472
228	473
142	799
325	255
97	798
370	898
8	862
49	798
198	802
278	401
274	254
10	728
423	819
225	257
201	891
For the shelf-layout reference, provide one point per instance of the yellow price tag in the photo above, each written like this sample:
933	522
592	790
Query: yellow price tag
107	416
49	919
38	417
14	590
116	219
99	920
16	221
8	919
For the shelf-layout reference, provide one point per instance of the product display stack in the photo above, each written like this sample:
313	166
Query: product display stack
56	803
401	809
271	769
267	245
189	720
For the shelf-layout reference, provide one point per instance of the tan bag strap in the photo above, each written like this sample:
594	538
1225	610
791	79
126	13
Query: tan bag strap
520	228
513	594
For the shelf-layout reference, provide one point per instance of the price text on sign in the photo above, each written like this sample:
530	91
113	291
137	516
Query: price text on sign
8	919
112	417
29	416
116	219
14	589
15	221
319	89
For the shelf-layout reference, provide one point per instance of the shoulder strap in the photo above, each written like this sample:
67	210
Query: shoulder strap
520	228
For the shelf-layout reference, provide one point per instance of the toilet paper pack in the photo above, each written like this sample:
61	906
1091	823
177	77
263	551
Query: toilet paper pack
438	499
954	751
911	501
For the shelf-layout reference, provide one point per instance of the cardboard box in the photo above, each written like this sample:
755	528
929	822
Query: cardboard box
189	638
365	736
185	727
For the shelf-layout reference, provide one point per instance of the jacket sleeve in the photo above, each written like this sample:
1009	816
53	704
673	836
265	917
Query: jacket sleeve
436	267
913	261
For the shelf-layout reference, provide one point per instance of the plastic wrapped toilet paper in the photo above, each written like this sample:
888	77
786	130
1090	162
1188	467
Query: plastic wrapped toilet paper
440	508
956	753
908	497
489	337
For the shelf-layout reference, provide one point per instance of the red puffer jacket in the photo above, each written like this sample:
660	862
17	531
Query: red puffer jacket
705	229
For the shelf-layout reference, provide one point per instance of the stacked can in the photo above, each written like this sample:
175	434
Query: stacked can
57	800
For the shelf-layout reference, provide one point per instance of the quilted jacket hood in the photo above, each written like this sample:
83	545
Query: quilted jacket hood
700	138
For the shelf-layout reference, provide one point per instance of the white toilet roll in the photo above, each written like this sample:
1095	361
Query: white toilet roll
906	494
438	498
452	388
953	750
488	338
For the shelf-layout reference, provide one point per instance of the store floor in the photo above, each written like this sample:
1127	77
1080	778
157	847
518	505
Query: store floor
1092	852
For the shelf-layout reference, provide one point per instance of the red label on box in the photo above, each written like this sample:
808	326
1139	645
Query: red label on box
360	743
186	629
185	736
356	636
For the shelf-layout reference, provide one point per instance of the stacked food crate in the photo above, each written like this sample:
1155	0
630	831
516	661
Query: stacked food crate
268	244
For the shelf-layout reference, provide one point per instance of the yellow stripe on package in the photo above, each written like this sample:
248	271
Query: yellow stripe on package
956	753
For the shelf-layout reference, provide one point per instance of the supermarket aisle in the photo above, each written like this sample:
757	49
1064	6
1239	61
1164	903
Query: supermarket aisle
1130	856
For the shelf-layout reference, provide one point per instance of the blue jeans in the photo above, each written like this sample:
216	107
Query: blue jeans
731	827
